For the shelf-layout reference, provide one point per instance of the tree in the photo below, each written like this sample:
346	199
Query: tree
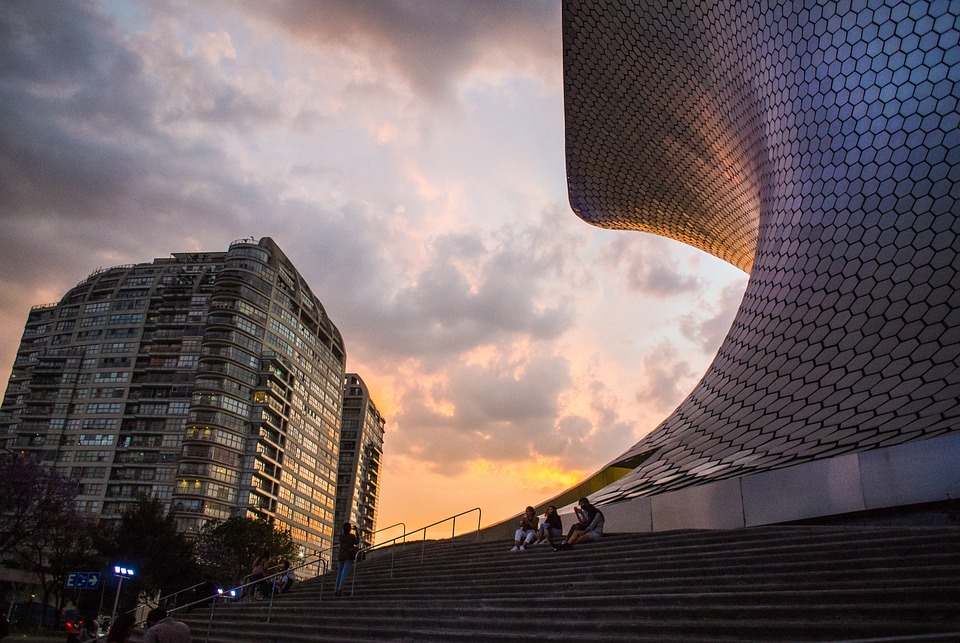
39	522
55	548
31	494
226	550
147	540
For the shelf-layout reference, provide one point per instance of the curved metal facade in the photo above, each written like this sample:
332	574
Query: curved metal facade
817	147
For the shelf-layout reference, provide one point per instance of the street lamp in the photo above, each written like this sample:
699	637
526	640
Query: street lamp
121	573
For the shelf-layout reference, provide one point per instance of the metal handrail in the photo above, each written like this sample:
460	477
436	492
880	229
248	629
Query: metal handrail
233	592
399	524
393	552
163	599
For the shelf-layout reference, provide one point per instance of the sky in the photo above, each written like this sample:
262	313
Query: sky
408	157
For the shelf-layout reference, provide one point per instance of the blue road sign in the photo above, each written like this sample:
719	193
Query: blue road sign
82	580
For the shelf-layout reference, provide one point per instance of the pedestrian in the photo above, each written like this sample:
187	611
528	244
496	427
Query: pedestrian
163	629
89	629
122	628
254	582
346	554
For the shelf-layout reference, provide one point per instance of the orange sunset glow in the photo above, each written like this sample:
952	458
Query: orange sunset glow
409	160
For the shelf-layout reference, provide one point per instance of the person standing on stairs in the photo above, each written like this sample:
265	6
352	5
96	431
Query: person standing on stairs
254	582
527	531
349	544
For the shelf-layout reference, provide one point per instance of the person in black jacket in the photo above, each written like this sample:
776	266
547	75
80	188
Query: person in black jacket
349	544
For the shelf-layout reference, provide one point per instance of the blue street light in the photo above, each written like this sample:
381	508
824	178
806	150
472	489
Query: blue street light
120	572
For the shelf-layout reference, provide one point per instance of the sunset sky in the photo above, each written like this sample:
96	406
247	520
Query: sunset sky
408	157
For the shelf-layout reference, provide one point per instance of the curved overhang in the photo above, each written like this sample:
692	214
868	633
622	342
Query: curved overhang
817	147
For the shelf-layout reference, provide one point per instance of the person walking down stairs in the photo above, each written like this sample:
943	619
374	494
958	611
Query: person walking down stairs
346	554
527	531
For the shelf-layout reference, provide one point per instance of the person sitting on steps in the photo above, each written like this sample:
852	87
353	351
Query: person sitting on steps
285	580
551	527
527	531
590	526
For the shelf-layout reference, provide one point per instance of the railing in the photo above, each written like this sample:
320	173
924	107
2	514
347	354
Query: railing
236	593
393	552
399	524
166	600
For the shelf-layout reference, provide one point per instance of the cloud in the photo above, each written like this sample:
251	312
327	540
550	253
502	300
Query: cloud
462	290
708	331
83	142
499	411
432	44
665	378
407	157
509	409
648	266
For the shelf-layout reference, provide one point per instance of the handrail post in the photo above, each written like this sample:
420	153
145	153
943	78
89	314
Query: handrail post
273	591
213	605
353	577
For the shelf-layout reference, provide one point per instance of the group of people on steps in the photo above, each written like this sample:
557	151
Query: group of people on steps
531	531
589	526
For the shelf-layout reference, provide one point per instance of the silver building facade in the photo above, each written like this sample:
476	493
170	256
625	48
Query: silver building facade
816	146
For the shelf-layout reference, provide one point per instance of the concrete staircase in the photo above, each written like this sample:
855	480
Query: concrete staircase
780	583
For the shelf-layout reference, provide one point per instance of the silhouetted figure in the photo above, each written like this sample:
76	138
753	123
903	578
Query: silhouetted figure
527	531
163	629
346	554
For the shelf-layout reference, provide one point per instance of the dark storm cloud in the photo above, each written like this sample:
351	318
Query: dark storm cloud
84	153
429	42
79	129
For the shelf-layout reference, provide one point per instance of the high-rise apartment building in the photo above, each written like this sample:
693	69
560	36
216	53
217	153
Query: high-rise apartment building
211	380
361	450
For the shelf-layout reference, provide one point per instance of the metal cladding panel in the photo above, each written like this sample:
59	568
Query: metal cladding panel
714	506
817	146
817	488
912	473
634	517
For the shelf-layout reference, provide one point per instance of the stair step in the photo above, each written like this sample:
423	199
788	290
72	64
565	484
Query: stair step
781	583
